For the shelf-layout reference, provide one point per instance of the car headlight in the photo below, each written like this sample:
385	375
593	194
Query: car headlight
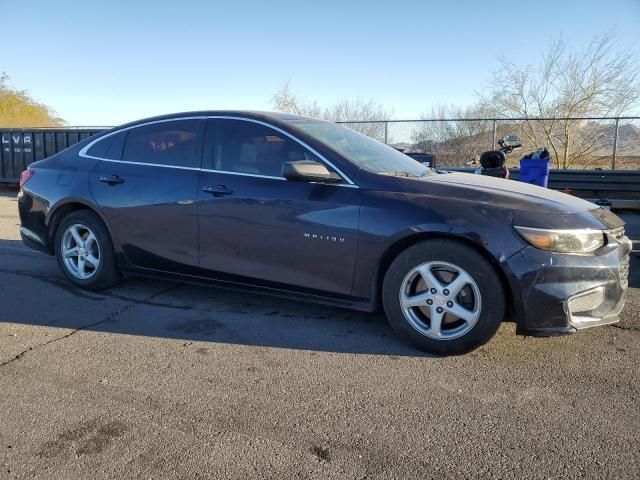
563	241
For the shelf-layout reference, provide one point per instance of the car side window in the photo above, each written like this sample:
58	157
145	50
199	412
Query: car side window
109	147
251	148
170	143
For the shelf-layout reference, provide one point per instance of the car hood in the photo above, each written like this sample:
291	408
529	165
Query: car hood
530	205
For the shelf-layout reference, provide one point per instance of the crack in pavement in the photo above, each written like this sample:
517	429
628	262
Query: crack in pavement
56	281
60	282
110	316
631	328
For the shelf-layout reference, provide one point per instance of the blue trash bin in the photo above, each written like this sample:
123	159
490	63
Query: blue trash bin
535	171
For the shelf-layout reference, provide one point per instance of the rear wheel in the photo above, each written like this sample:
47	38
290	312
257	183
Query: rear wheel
444	297
84	251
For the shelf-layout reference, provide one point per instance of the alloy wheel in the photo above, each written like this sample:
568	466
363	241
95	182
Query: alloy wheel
440	300
80	251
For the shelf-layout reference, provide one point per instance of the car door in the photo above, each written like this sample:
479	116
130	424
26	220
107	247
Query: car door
254	223
146	184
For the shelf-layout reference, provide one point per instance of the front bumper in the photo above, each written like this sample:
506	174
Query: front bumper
557	294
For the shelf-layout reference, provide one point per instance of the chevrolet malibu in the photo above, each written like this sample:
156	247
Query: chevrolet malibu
303	208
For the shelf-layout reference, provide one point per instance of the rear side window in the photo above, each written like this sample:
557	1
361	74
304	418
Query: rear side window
109	147
250	148
165	143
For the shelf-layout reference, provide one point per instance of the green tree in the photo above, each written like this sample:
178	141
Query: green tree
18	109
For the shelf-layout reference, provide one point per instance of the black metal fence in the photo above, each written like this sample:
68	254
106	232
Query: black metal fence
20	147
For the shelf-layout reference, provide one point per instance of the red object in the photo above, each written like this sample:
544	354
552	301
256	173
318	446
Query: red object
26	176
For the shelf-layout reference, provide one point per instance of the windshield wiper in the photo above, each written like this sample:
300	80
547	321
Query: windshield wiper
430	171
398	173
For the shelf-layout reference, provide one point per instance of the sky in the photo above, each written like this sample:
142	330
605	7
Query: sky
108	62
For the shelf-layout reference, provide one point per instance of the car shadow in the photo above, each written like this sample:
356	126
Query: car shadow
8	191
36	293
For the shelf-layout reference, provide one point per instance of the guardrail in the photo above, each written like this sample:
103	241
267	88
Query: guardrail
601	182
595	180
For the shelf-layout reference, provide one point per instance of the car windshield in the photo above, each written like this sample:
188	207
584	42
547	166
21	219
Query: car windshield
364	151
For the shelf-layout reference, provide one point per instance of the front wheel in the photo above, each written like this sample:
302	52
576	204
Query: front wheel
84	251
444	297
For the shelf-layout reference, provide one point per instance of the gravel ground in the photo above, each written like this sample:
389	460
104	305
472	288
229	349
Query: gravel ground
159	380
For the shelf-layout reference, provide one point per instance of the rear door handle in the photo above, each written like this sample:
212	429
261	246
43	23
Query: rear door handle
112	180
217	190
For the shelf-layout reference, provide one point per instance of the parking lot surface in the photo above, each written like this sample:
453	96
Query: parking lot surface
161	380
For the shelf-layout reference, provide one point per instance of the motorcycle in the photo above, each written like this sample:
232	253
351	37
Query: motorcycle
492	162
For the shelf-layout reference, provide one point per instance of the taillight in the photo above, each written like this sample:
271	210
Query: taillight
26	176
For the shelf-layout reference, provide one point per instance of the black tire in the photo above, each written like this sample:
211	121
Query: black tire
106	274
493	159
491	300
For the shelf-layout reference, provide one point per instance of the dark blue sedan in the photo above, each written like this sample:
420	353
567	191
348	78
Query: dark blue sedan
303	208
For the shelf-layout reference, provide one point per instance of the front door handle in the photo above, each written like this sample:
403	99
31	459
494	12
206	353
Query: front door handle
112	180
217	190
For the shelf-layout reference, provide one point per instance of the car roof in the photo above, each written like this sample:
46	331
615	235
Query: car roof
277	117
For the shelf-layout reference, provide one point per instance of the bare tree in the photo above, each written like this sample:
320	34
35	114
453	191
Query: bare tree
599	81
357	112
286	101
454	142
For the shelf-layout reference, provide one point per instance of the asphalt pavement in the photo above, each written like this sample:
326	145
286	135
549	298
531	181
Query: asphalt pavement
156	379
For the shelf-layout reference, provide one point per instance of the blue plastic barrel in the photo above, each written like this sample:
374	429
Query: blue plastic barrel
535	171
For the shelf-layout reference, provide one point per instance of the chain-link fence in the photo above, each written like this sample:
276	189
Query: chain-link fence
574	143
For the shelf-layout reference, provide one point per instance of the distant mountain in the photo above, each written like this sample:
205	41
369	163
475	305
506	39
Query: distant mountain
629	139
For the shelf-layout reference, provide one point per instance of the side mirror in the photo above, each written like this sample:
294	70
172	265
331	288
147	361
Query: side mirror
309	171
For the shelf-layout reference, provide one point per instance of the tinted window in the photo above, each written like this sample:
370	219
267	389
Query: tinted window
110	147
165	143
248	147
